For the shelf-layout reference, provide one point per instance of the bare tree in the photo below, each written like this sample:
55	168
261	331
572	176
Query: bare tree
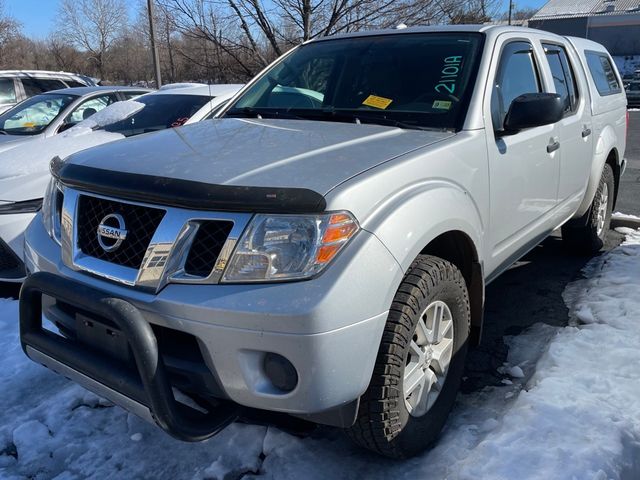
251	33
168	39
9	30
63	55
93	26
520	14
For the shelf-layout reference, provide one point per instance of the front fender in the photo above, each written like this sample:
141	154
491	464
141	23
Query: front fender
605	143
407	222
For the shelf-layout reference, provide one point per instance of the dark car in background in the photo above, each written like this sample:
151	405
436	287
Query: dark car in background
632	89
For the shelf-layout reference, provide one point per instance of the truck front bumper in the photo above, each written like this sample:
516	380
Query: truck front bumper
145	389
328	329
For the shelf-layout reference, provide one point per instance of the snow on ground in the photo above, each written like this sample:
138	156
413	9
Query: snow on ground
569	409
624	216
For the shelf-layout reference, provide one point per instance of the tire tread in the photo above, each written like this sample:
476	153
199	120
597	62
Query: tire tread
378	422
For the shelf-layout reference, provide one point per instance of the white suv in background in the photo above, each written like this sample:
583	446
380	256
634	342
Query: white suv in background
18	85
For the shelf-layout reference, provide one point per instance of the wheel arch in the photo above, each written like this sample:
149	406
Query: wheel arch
606	152
442	220
456	247
613	160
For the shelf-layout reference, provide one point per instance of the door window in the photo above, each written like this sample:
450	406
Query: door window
7	91
160	111
517	75
73	83
89	107
34	86
602	73
563	77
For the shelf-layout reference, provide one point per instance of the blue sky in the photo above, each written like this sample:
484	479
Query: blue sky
38	16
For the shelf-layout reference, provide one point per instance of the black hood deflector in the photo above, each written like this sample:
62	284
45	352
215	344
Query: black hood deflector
187	193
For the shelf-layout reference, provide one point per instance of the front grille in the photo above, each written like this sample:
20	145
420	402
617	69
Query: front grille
141	223
206	247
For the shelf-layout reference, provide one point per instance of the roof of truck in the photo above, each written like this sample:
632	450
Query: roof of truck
494	29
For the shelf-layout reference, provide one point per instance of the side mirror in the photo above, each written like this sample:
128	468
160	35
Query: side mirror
533	110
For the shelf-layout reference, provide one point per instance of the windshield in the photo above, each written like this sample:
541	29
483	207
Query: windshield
412	80
34	114
159	111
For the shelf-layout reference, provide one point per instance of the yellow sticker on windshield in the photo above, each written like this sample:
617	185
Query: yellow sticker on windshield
442	104
377	102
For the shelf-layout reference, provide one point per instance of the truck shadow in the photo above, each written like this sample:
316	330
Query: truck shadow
529	292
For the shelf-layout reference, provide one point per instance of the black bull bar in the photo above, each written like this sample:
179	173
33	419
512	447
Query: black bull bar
150	387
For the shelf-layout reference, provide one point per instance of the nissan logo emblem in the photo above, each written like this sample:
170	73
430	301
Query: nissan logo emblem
111	232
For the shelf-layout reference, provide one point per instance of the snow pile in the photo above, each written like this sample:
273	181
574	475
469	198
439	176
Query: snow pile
624	216
570	408
113	113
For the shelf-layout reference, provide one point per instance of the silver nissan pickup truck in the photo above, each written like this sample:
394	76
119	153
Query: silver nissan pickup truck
322	249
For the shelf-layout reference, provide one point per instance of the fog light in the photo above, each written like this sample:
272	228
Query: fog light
280	371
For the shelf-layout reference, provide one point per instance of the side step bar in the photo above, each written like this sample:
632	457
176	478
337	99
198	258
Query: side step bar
147	391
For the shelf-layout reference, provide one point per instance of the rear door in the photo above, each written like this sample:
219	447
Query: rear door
523	167
575	129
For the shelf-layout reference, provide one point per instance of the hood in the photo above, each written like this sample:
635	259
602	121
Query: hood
260	153
24	187
8	142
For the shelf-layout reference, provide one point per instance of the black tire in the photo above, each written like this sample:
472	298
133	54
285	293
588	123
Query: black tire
585	238
384	424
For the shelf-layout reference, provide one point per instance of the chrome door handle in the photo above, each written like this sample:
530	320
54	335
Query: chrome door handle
552	147
586	132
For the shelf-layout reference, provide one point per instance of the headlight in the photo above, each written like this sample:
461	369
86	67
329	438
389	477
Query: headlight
52	209
28	206
289	247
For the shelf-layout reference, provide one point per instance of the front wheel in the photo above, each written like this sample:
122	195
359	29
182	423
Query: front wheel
590	237
419	364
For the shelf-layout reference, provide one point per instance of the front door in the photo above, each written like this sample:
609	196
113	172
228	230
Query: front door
523	167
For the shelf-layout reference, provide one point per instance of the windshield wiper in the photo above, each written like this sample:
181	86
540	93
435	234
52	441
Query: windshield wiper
252	112
330	115
361	117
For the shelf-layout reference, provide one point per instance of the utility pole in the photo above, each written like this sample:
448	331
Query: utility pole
510	10
154	48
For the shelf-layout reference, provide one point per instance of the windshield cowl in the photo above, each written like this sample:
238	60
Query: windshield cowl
329	115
